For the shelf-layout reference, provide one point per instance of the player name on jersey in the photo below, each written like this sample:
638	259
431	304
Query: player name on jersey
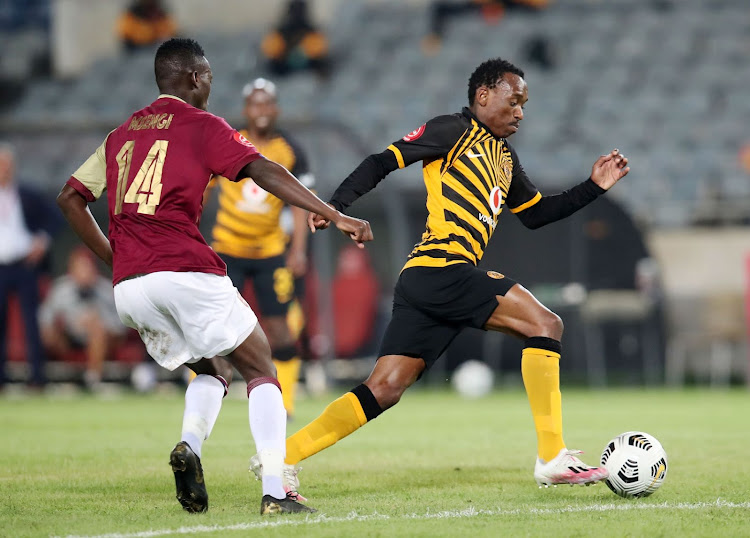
152	121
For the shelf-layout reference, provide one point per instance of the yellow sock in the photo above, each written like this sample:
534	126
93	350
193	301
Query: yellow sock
287	372
342	417
541	376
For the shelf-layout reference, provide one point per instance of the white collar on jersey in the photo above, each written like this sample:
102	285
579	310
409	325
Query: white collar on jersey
171	97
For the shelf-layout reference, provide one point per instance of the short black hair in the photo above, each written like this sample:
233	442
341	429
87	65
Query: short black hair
174	56
489	73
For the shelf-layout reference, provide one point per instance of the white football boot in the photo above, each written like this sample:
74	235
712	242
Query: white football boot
566	468
289	479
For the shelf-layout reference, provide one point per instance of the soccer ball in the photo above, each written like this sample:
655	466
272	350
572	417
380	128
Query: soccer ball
473	379
637	464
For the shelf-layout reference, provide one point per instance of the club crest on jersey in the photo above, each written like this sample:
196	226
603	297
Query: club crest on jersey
496	200
242	140
253	198
495	275
416	133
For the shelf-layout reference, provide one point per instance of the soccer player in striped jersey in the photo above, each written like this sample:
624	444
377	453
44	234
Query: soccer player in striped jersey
250	239
470	171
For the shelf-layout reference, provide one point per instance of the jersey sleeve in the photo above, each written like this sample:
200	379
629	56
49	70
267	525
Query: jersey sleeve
433	139
535	210
301	168
226	151
522	193
90	180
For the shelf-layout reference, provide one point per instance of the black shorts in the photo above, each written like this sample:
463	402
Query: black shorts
273	283
432	304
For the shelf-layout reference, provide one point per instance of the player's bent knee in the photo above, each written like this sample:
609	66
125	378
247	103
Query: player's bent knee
551	326
387	393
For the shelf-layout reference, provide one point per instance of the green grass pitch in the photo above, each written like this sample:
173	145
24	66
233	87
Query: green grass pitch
436	465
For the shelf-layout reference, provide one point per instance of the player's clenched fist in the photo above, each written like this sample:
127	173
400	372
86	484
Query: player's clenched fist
357	229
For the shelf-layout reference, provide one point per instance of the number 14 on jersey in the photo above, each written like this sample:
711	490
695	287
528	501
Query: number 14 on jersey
145	190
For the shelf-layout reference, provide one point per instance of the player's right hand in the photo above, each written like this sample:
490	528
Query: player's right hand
358	230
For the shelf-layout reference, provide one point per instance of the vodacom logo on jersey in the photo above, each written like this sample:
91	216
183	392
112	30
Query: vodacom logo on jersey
496	200
416	133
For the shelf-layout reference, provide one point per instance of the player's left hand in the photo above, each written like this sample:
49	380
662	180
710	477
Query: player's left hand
296	262
609	169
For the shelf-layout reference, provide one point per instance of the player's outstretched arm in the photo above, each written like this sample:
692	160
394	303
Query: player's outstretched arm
277	180
607	170
75	209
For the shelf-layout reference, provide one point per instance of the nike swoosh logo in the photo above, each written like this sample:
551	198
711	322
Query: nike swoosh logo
471	155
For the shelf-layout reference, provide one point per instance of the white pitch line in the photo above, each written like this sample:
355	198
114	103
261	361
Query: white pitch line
449	514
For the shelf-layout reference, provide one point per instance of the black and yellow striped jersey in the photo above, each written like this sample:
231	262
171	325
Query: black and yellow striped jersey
248	218
469	175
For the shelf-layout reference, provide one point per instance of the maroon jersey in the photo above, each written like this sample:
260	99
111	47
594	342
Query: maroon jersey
156	166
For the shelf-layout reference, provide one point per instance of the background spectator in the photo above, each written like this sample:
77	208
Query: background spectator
296	44
537	48
145	23
80	313
27	222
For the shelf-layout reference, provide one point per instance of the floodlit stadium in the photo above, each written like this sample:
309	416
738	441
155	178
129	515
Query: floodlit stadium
633	303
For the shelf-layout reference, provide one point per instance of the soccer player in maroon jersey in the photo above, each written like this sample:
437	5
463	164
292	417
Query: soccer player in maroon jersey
169	284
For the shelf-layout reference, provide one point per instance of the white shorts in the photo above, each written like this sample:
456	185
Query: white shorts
184	317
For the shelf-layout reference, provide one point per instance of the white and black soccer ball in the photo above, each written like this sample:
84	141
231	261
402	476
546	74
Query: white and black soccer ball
473	379
637	464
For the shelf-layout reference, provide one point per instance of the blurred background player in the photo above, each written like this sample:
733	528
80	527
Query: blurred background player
169	284
537	49
296	44
27	223
145	23
79	312
249	237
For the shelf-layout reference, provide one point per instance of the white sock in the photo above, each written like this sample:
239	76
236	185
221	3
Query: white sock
268	426
203	399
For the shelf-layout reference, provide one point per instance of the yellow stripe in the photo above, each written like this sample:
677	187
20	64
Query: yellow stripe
277	149
475	180
357	408
447	248
426	261
245	227
528	204
540	351
397	153
467	195
259	252
469	134
221	232
470	219
456	152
